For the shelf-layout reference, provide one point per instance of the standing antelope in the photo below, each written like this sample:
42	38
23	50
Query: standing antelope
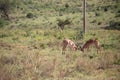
68	43
90	42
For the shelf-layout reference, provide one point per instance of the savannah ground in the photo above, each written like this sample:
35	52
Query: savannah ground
30	43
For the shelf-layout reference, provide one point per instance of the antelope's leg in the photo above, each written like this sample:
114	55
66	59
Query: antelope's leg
98	48
63	49
97	51
88	49
71	48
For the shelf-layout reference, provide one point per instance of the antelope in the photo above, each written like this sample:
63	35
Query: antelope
90	42
68	43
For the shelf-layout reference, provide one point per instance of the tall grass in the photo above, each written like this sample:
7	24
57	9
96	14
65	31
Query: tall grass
30	48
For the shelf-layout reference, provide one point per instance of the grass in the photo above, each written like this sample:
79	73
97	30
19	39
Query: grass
30	48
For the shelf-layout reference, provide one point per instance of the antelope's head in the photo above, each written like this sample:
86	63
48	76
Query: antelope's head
81	49
76	47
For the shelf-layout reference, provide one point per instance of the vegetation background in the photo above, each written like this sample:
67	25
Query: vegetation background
31	32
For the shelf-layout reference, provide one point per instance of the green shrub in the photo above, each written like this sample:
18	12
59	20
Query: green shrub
91	56
97	14
30	15
117	15
94	21
105	9
79	35
2	22
66	5
46	33
43	46
114	25
62	9
118	11
60	36
6	6
62	23
99	23
117	62
108	46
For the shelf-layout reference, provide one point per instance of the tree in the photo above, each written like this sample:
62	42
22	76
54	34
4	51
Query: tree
6	6
62	23
84	16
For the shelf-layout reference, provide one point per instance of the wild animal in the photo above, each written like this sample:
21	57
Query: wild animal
91	42
68	43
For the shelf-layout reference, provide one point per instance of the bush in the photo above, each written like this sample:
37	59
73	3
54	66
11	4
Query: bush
108	46
2	22
29	15
99	23
62	23
105	9
97	14
117	62
59	35
43	46
62	9
118	11
113	25
6	6
3	35
79	35
117	15
66	5
94	21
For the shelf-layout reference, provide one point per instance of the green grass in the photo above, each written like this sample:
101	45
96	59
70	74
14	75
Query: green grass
30	48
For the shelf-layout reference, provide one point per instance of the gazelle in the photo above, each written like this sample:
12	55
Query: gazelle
90	42
68	43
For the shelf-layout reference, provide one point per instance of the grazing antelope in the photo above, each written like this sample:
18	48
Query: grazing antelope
68	43
90	42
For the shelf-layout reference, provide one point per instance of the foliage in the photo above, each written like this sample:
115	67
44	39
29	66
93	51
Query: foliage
113	25
29	15
79	35
108	46
62	23
117	62
2	22
6	6
30	49
66	5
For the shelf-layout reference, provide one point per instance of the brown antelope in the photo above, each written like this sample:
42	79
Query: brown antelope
90	42
68	43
